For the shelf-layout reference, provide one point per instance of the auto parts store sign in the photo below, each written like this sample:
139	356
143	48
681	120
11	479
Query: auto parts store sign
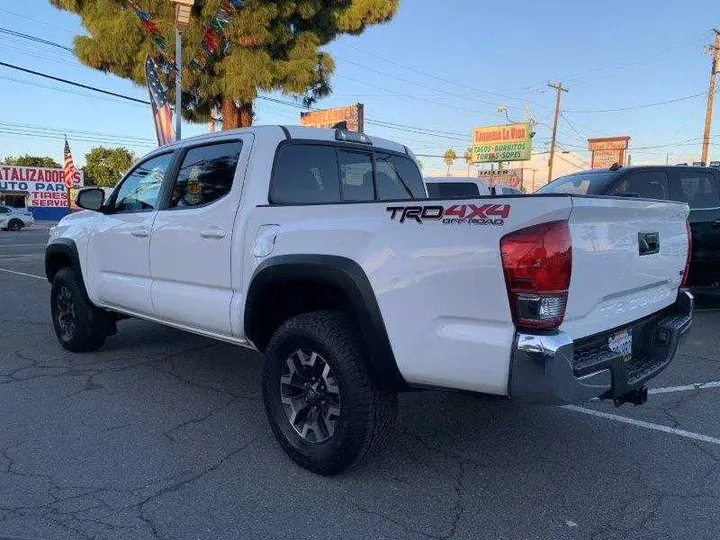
43	187
509	142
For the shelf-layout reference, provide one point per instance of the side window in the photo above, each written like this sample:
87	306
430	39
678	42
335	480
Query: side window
206	174
305	173
356	176
398	178
646	185
4	210
699	189
139	191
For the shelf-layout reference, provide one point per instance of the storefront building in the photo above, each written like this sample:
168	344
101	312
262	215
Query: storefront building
40	190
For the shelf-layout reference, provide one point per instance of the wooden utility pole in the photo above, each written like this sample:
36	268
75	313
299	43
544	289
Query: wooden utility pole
560	90
715	50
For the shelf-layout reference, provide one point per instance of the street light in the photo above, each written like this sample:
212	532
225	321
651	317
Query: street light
182	20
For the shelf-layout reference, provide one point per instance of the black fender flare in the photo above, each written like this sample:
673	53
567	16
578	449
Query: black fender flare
62	247
350	278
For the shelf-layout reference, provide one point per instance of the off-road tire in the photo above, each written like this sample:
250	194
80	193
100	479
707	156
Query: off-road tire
91	325
367	414
15	225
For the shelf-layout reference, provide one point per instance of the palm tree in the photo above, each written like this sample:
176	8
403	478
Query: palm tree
449	157
467	156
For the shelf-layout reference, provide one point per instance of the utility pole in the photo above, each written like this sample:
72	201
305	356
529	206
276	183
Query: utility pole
178	84
560	90
715	50
182	20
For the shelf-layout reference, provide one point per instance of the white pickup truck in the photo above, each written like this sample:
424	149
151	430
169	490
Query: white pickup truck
320	249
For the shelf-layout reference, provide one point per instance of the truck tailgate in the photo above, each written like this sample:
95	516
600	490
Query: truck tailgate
628	258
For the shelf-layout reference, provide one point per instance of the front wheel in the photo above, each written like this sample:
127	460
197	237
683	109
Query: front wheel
319	397
80	326
15	225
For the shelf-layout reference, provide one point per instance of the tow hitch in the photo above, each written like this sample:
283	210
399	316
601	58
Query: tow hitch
636	397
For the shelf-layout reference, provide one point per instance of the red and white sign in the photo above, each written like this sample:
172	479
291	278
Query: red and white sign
608	151
505	177
44	187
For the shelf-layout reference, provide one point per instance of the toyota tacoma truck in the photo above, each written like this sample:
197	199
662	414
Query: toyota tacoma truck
320	249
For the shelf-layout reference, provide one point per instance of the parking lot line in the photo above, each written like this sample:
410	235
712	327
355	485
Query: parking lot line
684	388
642	424
22	274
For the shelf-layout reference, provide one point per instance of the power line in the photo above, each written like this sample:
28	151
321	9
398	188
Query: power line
577	77
382	123
569	123
66	81
641	106
38	21
20	48
389	125
64	130
405	96
571	163
60	137
33	38
434	89
63	90
439	78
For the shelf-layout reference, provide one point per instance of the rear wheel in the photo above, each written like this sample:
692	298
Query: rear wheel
79	325
319	398
15	225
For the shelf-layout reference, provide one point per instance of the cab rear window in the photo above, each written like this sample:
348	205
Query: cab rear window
326	174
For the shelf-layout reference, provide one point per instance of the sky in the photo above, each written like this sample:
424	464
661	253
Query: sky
441	67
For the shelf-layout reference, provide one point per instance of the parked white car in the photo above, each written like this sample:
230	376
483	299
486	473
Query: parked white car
14	219
320	249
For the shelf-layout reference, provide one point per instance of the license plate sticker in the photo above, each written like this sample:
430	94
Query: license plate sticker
621	343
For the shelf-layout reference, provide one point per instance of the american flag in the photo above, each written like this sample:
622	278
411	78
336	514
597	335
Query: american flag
162	115
71	174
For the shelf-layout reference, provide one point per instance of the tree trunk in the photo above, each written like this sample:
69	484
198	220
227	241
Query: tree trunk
236	117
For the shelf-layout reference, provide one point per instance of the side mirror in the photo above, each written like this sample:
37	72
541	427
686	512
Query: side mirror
91	199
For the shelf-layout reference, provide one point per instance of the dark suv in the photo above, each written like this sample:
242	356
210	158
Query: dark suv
697	186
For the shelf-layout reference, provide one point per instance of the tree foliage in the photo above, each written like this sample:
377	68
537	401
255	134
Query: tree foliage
26	160
468	157
449	158
105	166
275	46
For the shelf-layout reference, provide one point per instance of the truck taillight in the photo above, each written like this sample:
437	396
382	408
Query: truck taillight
686	271
537	262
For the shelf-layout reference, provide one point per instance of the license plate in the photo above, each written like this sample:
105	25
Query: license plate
621	343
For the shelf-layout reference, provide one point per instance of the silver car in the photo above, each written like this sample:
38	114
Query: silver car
14	219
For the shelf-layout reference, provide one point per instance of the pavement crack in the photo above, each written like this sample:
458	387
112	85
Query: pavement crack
394	521
179	485
200	419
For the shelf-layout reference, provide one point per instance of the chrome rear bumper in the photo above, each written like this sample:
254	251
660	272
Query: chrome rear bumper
553	368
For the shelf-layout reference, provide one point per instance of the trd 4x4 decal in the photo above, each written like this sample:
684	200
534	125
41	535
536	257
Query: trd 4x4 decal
471	214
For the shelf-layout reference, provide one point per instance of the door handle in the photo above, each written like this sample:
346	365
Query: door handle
140	232
213	232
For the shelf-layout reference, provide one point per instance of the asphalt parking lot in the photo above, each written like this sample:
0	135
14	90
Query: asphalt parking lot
161	435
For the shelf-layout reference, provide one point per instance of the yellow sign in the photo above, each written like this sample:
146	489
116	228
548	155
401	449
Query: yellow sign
509	142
